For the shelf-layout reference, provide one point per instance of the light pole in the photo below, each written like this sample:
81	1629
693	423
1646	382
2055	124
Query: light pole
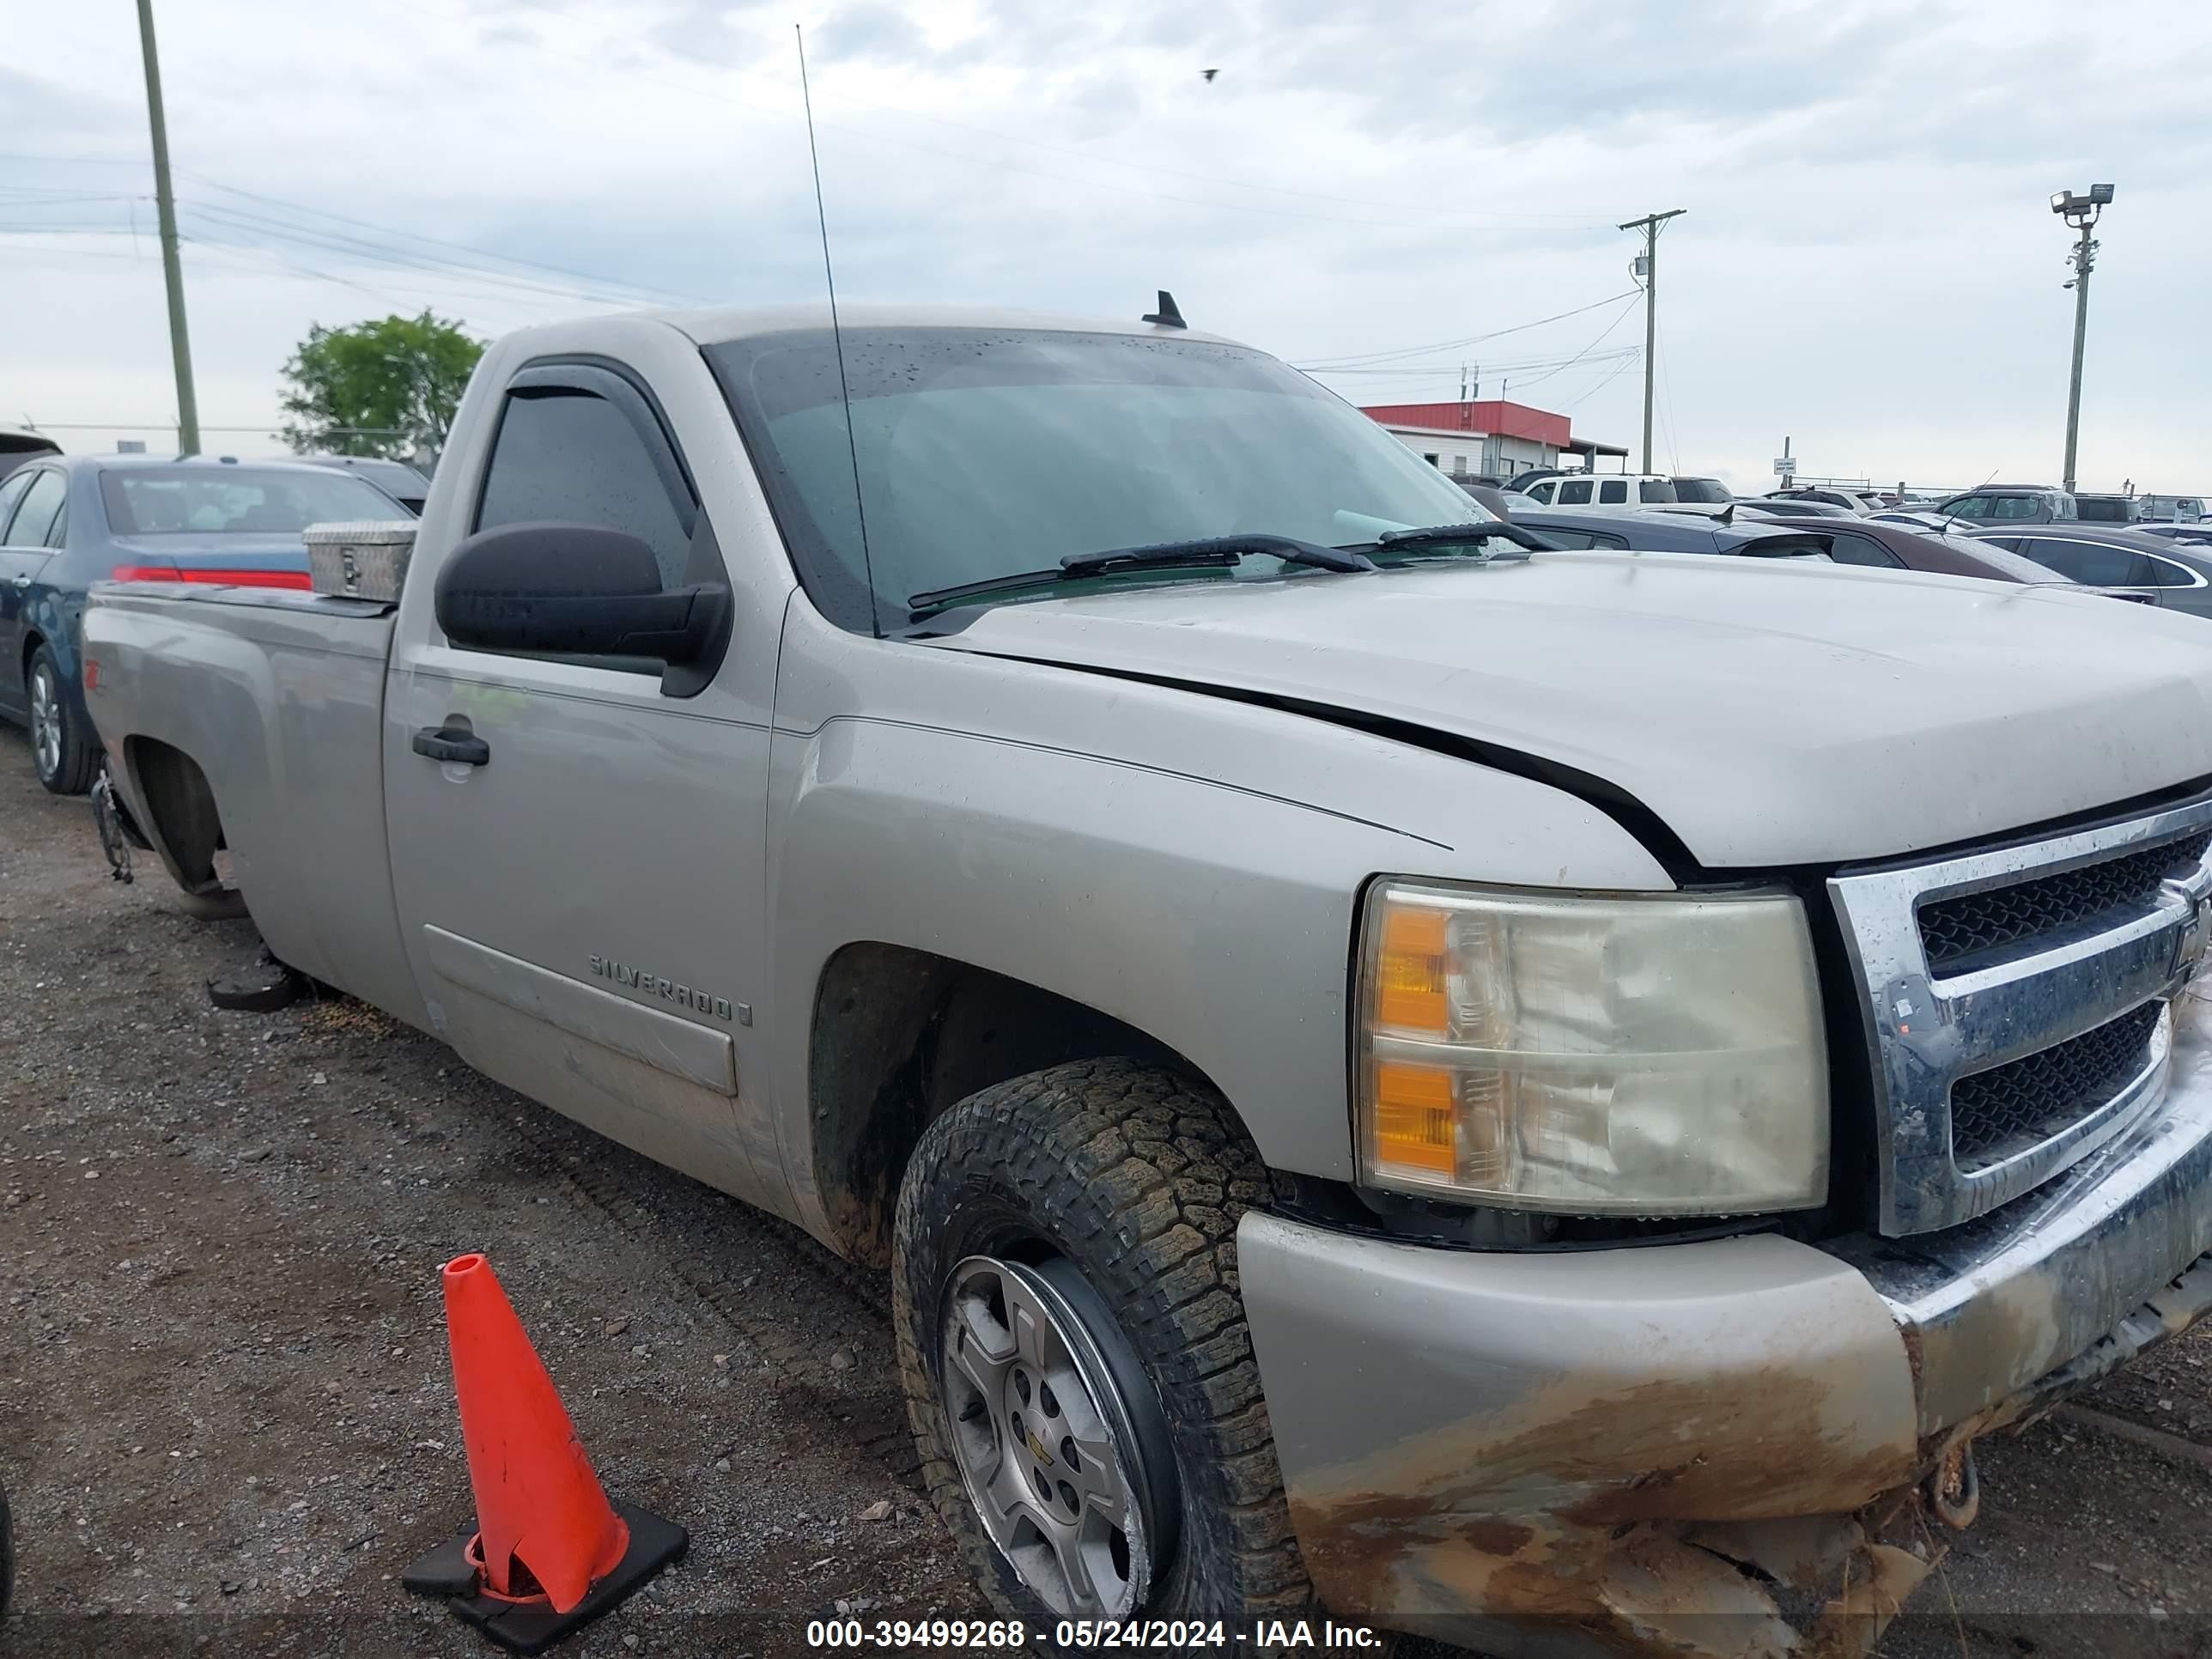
2081	212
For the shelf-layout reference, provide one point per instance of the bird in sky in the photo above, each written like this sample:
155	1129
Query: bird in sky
1209	74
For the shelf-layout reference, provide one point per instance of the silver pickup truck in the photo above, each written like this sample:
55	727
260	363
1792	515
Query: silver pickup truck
1526	1098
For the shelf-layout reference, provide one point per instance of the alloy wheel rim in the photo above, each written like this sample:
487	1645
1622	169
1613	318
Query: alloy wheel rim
1043	1436
45	721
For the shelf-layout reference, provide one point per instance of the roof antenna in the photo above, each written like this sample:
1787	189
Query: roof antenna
1951	518
836	334
1167	316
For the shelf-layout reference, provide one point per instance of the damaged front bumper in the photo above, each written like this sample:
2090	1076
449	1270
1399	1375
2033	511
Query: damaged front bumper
1713	1447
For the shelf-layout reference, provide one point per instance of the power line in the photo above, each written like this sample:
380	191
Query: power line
462	247
1576	402
1368	358
1618	318
345	243
1431	371
342	241
386	293
1667	391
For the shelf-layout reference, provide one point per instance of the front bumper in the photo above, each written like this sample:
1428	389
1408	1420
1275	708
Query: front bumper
1638	1445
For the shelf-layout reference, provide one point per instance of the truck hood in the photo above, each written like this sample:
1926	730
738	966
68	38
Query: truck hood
1769	713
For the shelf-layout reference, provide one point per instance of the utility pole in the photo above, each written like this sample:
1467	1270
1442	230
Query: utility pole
2081	212
164	205
1649	224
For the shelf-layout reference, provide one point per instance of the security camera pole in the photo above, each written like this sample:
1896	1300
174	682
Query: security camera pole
164	207
1649	224
2081	212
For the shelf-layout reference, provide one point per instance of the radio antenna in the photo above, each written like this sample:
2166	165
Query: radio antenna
837	335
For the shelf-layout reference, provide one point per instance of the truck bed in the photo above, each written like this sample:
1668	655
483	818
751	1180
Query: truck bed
277	698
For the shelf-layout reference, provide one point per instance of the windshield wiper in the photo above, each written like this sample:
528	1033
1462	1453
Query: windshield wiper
1216	552
1458	535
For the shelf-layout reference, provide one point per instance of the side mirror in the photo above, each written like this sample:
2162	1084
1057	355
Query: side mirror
574	590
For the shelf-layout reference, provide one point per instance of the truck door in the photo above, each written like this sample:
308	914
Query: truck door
583	905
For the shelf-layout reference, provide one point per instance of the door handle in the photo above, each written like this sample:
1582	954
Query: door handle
451	743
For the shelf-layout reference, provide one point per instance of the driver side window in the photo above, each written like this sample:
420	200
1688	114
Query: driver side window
565	455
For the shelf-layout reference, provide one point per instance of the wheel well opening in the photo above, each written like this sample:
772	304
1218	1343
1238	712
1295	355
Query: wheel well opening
182	818
899	1035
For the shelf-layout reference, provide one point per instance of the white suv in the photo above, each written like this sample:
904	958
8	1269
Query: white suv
1604	489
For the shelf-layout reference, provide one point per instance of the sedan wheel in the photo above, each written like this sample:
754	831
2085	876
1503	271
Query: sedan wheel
61	752
45	719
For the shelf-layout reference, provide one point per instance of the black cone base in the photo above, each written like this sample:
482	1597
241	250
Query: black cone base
532	1627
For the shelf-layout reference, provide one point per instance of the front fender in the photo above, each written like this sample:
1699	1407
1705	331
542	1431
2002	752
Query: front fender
1213	916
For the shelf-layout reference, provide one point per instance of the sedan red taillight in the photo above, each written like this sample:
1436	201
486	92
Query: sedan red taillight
297	581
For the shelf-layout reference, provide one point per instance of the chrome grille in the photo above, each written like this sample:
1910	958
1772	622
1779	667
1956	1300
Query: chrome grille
2013	1004
2012	1107
1958	932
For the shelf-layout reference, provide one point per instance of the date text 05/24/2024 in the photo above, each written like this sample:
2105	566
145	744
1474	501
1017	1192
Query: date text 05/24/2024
1008	1636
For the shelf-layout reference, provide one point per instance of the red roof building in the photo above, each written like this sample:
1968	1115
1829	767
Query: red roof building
1487	436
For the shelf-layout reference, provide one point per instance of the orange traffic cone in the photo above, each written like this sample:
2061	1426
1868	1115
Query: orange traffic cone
550	1551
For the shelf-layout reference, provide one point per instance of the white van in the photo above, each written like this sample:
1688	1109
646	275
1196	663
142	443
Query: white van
1604	489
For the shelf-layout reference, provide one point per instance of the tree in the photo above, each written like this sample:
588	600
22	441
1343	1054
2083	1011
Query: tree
379	388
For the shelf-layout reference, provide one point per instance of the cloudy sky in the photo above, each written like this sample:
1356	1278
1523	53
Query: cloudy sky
1868	264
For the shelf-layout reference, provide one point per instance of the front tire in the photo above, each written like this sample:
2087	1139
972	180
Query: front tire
62	752
1073	1346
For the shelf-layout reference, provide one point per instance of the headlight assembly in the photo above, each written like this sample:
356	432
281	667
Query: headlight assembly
1618	1054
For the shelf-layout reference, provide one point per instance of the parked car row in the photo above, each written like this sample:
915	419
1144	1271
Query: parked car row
1525	1096
1990	504
1862	541
2024	533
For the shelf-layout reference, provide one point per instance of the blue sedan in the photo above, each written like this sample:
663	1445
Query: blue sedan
68	521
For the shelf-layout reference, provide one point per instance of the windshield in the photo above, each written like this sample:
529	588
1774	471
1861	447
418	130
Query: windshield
1710	490
237	500
983	453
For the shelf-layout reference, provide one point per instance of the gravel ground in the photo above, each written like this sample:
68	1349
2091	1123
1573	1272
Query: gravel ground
226	1416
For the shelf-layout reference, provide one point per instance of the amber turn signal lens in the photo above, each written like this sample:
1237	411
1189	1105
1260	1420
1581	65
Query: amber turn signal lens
1409	977
1414	1119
